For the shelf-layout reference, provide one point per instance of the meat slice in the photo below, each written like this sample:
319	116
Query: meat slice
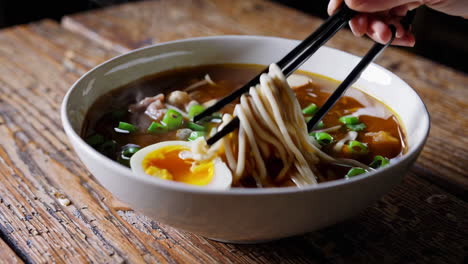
156	110
143	104
153	107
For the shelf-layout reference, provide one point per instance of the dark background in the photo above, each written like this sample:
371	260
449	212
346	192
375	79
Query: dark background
439	37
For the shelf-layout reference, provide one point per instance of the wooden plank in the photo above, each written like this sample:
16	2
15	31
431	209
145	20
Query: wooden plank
130	26
7	255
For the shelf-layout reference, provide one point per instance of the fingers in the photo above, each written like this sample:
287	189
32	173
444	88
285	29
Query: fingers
380	32
399	10
376	5
359	25
333	6
400	30
376	24
407	40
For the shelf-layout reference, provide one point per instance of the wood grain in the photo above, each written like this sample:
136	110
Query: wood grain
416	222
7	255
130	26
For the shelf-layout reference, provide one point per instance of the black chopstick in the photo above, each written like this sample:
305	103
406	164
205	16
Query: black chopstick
295	58
334	97
231	126
350	80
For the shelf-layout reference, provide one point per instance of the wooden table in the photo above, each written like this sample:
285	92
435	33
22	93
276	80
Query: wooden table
424	219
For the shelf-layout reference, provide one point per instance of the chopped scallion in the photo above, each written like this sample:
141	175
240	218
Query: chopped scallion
196	134
195	110
195	127
129	150
349	120
172	119
95	140
358	147
310	109
354	172
378	162
217	115
108	148
157	128
127	126
323	138
319	125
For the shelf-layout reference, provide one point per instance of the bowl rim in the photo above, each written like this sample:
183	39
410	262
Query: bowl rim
182	187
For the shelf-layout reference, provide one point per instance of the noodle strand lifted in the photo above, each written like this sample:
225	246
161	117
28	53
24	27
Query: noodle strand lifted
272	130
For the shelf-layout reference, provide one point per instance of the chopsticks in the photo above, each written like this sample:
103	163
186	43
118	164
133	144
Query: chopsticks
294	59
373	53
288	64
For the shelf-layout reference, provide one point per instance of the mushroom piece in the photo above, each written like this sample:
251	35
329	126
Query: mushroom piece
178	99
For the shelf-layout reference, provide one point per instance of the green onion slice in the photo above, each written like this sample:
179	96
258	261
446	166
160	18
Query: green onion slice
196	134
108	148
323	138
127	127
156	128
379	161
319	125
172	119
129	150
215	117
310	109
358	147
349	120
354	172
195	110
95	140
195	127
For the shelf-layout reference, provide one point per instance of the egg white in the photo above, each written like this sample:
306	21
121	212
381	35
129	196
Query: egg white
222	176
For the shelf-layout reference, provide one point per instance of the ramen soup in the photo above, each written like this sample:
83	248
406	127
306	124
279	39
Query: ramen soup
148	125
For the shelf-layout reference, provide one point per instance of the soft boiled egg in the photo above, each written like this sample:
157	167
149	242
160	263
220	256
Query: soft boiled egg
171	160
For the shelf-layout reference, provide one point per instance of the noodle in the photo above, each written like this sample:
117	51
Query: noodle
272	127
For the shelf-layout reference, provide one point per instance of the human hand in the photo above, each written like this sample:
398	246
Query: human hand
376	15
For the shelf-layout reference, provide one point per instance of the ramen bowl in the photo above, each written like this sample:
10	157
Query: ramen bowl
239	214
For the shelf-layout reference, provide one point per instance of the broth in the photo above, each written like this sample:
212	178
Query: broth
383	135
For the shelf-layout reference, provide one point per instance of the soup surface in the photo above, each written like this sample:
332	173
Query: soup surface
360	127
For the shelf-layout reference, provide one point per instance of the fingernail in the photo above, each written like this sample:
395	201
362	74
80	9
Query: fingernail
399	34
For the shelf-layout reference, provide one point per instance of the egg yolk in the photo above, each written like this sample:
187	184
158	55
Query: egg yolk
165	163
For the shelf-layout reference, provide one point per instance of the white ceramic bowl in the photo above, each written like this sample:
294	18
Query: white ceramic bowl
242	215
